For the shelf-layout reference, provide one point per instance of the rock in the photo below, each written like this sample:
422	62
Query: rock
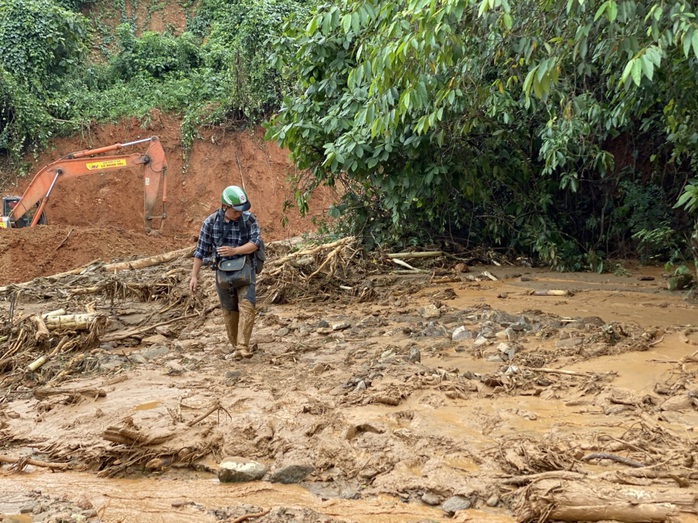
415	356
569	343
155	352
461	333
677	403
431	499
193	345
454	504
240	470
291	474
507	351
430	312
435	330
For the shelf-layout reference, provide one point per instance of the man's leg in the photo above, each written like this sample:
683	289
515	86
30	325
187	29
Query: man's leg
228	300
246	304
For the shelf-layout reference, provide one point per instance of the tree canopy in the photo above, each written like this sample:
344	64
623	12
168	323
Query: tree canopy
558	129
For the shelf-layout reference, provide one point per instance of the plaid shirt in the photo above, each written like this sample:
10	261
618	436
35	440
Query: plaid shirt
212	230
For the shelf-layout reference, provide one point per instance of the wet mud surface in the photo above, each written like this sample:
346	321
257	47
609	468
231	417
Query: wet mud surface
389	397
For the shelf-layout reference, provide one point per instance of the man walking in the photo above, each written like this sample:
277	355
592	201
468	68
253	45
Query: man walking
230	236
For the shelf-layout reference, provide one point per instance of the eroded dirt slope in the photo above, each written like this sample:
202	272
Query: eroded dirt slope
100	216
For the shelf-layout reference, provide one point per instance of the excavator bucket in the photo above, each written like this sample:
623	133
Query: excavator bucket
154	176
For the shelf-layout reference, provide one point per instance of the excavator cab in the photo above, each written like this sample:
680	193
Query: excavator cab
8	204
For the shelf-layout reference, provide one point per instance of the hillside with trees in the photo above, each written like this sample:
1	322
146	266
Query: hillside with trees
563	131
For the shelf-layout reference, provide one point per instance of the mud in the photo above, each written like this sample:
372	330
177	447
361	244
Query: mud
390	417
372	396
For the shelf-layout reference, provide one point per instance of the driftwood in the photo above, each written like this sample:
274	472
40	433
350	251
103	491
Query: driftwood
251	516
42	333
432	254
98	265
78	322
149	261
7	288
45	392
550	292
402	263
307	252
21	462
132	437
122	335
565	500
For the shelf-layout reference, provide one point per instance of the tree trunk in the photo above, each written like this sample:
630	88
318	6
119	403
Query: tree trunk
563	500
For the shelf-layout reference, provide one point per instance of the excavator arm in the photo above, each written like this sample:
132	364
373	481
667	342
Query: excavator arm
153	164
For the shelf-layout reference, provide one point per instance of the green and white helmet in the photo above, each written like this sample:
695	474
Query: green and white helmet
235	197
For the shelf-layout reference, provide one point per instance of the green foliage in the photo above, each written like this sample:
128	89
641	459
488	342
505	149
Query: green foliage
239	45
154	54
75	5
40	43
488	121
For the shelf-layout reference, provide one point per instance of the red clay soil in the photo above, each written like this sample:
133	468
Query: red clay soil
100	216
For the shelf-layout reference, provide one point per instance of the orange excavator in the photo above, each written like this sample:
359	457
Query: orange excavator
23	211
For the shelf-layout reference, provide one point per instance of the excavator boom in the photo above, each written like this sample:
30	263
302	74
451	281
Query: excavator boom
153	164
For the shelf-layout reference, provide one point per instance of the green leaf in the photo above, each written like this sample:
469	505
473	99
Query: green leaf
508	22
637	72
528	82
647	66
627	70
346	22
601	11
612	12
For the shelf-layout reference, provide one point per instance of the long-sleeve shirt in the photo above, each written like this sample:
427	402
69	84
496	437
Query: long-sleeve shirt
212	229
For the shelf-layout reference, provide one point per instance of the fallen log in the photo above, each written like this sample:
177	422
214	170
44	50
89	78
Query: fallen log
45	392
131	437
564	500
28	461
150	261
78	322
430	254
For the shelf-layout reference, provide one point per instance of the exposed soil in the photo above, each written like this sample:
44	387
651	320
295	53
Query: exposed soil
461	393
100	216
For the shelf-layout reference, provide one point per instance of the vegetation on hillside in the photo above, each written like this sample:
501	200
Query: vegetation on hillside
564	130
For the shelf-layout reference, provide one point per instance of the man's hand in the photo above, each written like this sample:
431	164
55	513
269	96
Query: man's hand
226	251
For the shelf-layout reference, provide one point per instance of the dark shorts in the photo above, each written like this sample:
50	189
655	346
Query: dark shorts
235	286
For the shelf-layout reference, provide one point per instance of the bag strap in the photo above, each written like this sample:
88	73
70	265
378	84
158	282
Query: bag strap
244	232
227	226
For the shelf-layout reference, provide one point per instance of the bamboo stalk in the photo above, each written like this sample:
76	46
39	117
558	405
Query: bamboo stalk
82	321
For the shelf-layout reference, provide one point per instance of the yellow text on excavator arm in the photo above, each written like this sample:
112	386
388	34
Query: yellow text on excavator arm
153	164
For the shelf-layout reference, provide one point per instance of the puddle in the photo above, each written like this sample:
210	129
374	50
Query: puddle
148	406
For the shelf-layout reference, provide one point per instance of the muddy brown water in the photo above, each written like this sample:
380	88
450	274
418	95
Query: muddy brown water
291	404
